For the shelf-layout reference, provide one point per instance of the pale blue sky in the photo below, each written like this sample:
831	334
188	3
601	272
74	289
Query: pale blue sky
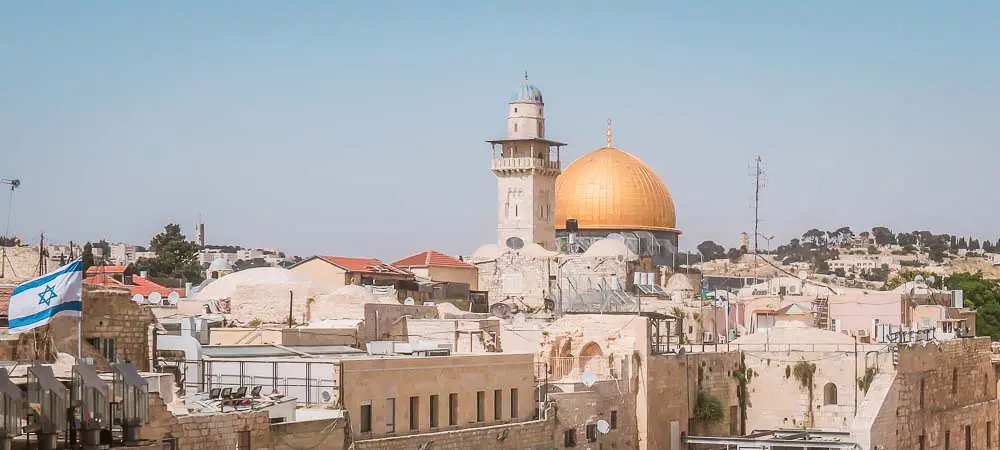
357	128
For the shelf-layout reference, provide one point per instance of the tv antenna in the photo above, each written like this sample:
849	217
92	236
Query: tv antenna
759	178
14	183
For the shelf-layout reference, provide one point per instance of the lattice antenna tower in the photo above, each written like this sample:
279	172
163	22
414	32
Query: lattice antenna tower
760	180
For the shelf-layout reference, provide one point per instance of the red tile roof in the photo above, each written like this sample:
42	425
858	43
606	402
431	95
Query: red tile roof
95	270
140	285
364	265
432	258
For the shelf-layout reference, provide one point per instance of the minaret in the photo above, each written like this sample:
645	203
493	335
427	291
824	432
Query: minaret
526	165
199	229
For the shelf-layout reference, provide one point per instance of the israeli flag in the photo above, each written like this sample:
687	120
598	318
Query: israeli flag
56	293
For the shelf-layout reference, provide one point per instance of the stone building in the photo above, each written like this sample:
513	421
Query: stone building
438	267
940	395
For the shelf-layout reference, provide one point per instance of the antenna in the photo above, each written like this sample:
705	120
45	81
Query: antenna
757	171
14	183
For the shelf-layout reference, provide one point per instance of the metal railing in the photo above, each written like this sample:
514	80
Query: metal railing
310	382
523	163
674	347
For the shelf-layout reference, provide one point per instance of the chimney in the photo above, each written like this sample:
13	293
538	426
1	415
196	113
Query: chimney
143	274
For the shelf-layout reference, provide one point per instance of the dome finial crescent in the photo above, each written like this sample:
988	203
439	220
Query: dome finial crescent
609	133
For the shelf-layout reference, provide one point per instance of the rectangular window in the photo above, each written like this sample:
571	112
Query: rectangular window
243	440
921	440
414	413
569	438
947	440
513	403
497	404
968	437
434	411
989	434
453	409
390	415
480	406
591	432
366	417
614	419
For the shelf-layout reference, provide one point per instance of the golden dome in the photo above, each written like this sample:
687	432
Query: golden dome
610	189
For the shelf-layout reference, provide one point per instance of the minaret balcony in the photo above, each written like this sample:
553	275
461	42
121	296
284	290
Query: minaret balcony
506	164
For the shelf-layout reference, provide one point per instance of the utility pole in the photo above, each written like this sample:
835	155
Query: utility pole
41	254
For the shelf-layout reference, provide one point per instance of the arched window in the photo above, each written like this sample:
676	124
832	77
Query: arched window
830	394
515	128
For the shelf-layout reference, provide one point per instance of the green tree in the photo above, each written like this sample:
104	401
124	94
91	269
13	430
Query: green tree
88	256
711	250
872	250
242	264
176	257
962	243
814	236
883	236
983	295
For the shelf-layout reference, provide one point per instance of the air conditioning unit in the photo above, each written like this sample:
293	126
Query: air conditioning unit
324	395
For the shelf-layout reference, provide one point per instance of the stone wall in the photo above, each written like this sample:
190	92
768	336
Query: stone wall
107	313
326	434
940	388
533	435
606	400
383	323
672	387
206	431
779	400
543	276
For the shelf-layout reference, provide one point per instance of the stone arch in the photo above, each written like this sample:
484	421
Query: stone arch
591	358
830	394
561	358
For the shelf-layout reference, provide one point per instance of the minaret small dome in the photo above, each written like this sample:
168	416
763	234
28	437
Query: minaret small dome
529	94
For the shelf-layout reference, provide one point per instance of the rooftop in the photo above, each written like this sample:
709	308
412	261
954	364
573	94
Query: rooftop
271	351
431	258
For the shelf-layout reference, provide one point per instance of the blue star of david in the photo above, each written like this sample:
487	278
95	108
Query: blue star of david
47	295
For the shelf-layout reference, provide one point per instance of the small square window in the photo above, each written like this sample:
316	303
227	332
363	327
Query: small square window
591	432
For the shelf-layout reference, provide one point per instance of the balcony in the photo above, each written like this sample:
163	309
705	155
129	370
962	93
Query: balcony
499	164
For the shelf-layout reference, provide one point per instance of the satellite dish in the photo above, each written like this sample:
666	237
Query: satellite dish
918	278
589	378
138	298
833	279
515	243
550	304
173	298
803	275
931	280
155	298
500	310
603	426
409	301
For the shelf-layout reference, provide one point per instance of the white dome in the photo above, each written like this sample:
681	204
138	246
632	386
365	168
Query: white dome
262	293
679	282
611	247
220	264
487	251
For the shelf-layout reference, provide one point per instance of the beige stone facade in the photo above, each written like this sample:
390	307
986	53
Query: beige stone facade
403	395
528	435
943	394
